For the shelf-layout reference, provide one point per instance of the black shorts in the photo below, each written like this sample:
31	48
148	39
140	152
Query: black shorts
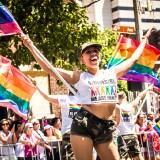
89	125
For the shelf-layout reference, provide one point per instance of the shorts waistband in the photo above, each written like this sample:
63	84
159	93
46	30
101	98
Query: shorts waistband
96	119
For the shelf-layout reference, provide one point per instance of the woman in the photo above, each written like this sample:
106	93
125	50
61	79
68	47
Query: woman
19	148
49	138
30	142
56	123
141	127
148	138
8	138
93	126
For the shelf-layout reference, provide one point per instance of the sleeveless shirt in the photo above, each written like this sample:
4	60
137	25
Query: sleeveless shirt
126	124
100	88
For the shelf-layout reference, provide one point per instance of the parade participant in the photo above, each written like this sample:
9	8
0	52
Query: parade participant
69	108
96	90
127	140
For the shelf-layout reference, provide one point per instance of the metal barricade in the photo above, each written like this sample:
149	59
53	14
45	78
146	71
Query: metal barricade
147	145
17	151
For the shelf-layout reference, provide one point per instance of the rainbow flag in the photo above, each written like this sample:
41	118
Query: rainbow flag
157	127
75	106
8	25
142	71
15	89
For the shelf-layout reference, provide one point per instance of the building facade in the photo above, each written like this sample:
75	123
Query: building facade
121	12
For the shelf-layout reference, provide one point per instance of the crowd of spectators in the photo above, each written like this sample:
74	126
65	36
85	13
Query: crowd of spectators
30	139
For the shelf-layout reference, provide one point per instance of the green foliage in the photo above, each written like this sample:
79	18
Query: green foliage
56	28
122	86
108	39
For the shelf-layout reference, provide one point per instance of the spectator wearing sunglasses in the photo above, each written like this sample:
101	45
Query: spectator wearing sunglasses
37	131
8	138
30	142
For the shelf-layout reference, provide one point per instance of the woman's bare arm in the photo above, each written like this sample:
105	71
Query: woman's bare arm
124	67
70	76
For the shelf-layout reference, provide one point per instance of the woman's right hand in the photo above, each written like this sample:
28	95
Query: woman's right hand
26	40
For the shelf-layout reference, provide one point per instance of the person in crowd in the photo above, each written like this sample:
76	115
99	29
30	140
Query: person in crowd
148	137
150	117
51	140
56	123
156	145
39	134
30	142
127	140
140	128
8	139
92	126
19	148
69	108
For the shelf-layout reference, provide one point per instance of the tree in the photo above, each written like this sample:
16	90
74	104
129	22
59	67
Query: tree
56	27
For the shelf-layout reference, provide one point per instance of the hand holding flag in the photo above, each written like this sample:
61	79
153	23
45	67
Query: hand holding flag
142	71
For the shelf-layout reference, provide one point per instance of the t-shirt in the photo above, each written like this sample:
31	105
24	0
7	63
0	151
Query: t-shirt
126	124
99	88
69	108
6	149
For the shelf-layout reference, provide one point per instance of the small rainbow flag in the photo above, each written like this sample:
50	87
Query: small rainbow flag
75	107
8	25
125	112
142	71
157	127
15	89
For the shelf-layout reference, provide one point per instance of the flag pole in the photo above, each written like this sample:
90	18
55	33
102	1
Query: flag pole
53	69
139	109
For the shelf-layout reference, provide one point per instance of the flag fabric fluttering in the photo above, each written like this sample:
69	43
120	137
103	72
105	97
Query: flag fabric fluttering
143	70
16	89
8	25
157	127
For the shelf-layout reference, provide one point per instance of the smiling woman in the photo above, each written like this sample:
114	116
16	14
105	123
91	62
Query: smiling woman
97	92
7	137
30	142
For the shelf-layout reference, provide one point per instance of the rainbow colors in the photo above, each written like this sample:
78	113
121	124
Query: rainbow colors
142	71
75	107
15	89
125	112
8	25
157	127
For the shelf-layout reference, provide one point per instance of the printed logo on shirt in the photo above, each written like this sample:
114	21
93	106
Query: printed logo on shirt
73	109
103	91
126	116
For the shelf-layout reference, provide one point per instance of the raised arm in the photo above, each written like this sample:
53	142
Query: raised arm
51	98
141	96
70	76
124	67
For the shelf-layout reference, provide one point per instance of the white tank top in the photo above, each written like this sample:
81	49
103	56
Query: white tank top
100	88
126	124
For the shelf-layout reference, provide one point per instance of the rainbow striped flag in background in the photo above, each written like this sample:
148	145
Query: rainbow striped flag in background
15	88
8	25
157	127
143	70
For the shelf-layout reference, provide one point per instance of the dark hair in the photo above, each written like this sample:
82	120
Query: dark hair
54	120
121	95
